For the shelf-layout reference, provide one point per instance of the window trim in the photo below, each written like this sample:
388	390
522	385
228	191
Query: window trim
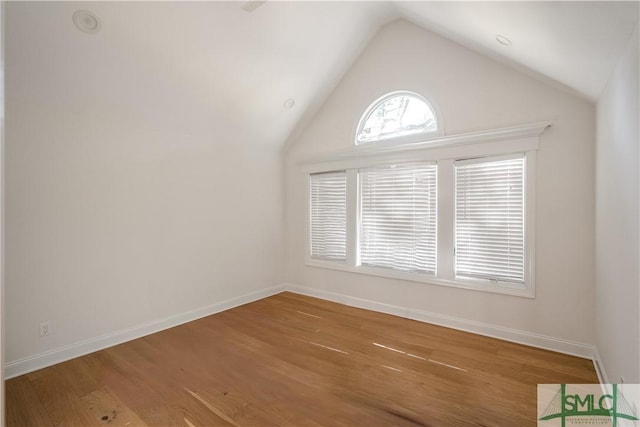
489	143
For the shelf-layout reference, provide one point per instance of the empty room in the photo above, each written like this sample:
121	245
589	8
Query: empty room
320	213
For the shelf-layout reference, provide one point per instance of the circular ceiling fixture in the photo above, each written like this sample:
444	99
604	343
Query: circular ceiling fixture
86	21
289	103
503	40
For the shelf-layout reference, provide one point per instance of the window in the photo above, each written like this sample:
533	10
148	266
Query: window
398	217
398	114
454	211
328	215
490	219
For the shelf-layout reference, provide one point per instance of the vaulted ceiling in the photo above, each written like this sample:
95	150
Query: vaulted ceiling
213	67
570	42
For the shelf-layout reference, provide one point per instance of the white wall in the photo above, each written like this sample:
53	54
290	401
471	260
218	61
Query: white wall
472	93
112	222
617	220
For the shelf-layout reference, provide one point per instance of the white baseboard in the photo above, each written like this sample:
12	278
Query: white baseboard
559	345
61	354
599	367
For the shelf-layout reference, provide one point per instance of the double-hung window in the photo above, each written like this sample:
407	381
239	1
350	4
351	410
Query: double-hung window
489	219
398	217
455	210
328	215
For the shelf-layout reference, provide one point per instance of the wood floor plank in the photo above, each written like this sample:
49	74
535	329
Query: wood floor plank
62	404
292	360
108	409
23	406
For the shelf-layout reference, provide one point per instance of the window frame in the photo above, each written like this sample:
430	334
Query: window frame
445	150
393	140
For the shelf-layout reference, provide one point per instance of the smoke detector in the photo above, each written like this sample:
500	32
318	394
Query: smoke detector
289	103
504	41
86	21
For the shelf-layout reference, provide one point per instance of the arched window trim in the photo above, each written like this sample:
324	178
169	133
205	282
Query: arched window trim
393	140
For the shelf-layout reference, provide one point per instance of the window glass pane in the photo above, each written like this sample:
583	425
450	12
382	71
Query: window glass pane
328	215
397	115
490	219
398	217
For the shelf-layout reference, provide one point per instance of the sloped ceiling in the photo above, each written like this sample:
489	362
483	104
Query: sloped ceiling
208	68
211	67
574	43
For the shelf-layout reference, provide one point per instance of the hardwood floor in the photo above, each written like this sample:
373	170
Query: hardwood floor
291	360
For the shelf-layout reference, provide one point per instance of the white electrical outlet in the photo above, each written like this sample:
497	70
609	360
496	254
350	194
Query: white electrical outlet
45	328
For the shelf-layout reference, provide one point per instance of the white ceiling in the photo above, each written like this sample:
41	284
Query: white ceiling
574	43
207	68
213	67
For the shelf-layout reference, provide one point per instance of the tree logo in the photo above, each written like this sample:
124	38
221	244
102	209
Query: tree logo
588	404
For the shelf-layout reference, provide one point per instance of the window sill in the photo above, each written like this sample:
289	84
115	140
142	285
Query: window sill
474	285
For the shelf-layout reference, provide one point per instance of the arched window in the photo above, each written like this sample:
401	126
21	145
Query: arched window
397	114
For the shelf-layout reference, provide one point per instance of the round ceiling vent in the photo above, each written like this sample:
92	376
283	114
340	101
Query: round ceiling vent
86	21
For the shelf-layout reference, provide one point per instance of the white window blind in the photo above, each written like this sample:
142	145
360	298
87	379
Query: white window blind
489	221
398	217
328	215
